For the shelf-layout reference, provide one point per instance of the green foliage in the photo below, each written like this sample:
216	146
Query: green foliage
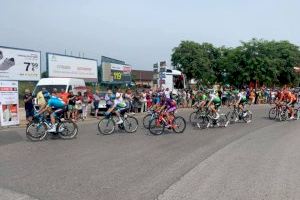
268	62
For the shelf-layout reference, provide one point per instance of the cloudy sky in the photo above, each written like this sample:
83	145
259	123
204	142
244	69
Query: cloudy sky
142	32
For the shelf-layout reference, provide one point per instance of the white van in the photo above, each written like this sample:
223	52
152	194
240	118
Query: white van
67	84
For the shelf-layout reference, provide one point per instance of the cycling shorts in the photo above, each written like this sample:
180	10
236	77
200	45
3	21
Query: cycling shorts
171	109
57	111
292	104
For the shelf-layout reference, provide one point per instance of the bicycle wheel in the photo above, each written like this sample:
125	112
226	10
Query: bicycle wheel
106	126
283	115
156	127
233	117
194	117
223	120
131	124
248	117
273	113
67	129
146	120
36	131
203	122
179	124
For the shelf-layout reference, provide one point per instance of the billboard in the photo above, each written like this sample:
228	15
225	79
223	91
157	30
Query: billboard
20	64
61	66
116	72
9	103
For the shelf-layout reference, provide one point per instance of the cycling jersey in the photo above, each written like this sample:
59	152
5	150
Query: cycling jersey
170	104
119	103
203	97
55	103
215	99
242	97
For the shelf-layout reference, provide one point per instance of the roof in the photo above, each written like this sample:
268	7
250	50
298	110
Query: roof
142	75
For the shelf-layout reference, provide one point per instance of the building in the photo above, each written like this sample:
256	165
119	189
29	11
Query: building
142	78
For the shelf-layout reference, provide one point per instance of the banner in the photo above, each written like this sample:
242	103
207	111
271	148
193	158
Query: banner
19	64
9	103
116	72
60	66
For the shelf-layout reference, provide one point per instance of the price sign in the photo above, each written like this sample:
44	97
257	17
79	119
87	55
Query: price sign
117	76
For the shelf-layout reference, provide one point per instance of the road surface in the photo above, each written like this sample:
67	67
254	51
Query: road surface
258	160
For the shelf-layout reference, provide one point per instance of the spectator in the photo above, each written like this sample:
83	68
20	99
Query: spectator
167	93
42	97
252	96
189	99
78	106
136	102
128	99
184	98
64	96
28	105
149	100
143	100
120	94
85	104
71	105
96	100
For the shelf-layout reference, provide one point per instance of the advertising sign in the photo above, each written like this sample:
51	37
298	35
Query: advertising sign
61	66
9	103
116	72
19	64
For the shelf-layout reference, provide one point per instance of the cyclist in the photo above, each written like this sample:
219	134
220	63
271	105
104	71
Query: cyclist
241	100
117	106
54	106
169	106
214	104
201	100
291	101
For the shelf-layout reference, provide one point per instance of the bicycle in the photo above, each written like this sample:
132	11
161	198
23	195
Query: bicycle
208	119
107	125
37	129
284	113
237	114
274	112
151	115
196	115
157	125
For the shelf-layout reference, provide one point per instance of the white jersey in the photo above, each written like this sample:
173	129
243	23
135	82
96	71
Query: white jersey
241	96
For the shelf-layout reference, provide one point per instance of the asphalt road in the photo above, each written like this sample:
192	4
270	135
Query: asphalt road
258	160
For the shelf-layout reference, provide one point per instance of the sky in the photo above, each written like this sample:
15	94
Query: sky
142	32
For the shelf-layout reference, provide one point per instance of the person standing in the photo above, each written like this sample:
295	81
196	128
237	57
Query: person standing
85	104
28	105
71	105
128	99
184	95
96	100
78	106
144	101
167	93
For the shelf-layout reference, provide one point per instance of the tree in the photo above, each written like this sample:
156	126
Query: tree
266	62
195	60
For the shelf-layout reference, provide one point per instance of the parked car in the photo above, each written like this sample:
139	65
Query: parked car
101	107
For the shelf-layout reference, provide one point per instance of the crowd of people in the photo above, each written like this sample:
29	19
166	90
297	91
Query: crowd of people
79	105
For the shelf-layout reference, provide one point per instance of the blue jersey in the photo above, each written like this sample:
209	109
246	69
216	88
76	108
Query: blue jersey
55	102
